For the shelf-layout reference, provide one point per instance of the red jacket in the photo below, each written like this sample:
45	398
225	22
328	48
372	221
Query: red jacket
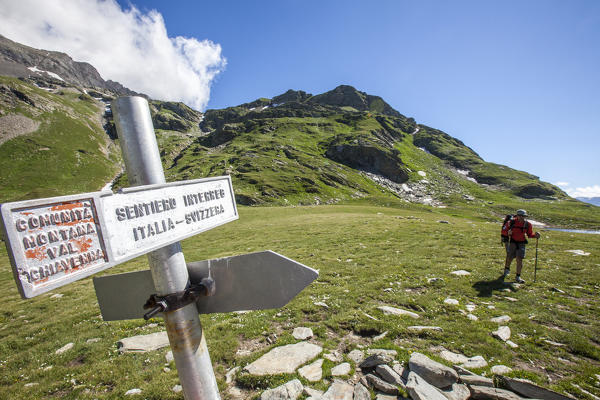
519	230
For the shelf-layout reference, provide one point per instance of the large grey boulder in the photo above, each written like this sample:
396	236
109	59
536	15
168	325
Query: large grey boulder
289	391
419	389
433	372
284	359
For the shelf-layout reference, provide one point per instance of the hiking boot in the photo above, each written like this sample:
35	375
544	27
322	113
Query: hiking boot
519	280
506	272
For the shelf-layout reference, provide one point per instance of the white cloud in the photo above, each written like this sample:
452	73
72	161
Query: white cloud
562	184
127	46
588	191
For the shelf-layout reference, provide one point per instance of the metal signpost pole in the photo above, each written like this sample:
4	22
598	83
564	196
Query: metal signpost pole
169	272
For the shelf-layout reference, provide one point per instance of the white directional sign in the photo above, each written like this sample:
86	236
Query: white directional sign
55	241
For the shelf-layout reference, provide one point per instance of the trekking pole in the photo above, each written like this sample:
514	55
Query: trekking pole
536	251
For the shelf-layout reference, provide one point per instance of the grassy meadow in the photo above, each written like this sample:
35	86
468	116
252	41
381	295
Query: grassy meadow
367	256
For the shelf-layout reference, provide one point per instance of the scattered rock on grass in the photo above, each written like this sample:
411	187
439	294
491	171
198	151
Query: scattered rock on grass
313	394
381	385
391	353
476	380
529	389
389	375
432	371
374	360
452	302
501	319
361	392
302	333
132	392
484	393
289	391
457	392
341	370
312	372
284	359
502	333
387	310
419	389
339	390
454	358
475	362
357	356
460	272
230	375
65	348
334	356
143	343
578	252
422	328
500	369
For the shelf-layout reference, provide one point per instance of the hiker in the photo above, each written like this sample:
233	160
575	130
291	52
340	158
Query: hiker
517	230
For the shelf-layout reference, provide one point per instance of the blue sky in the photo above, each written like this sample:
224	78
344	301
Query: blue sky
517	81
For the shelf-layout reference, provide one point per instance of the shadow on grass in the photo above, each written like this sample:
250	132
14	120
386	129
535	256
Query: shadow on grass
486	288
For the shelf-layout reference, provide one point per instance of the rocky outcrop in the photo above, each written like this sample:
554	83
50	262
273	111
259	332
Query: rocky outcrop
369	158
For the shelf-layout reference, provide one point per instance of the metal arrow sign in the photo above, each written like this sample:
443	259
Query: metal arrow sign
254	281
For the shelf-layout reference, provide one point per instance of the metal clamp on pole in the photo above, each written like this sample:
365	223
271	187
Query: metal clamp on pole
174	301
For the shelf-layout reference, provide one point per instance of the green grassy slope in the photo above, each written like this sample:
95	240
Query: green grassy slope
367	256
68	153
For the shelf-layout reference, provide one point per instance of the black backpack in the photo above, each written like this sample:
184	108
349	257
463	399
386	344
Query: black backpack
508	217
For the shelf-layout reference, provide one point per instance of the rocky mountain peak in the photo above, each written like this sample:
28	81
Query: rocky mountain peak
18	60
348	96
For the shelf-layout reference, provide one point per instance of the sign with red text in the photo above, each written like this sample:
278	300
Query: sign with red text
55	241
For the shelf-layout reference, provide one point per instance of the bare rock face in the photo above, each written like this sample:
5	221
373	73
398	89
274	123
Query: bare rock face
370	158
433	372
